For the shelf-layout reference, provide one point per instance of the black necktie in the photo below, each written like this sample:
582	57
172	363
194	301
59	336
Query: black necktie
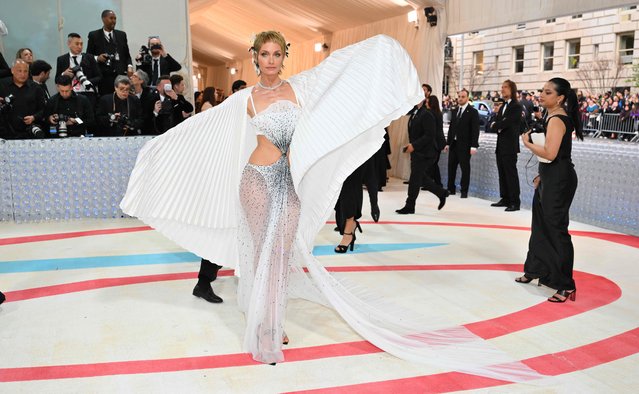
75	60
459	113
154	76
110	37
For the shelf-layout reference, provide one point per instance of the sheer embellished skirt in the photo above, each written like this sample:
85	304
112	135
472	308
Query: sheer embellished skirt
270	214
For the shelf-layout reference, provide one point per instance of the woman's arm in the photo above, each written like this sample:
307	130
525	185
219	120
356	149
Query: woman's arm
554	133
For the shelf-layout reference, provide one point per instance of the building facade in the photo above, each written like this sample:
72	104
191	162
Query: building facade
594	51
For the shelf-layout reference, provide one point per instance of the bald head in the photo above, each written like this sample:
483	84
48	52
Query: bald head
20	71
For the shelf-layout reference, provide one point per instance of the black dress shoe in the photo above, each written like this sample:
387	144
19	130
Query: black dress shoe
2	297
206	294
375	213
512	208
500	203
464	195
451	192
405	210
442	200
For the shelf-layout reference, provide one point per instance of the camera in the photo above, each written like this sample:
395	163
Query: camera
79	75
6	104
61	120
35	131
536	108
121	122
146	55
110	61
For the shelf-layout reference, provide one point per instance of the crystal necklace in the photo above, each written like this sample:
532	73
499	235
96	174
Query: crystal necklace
259	83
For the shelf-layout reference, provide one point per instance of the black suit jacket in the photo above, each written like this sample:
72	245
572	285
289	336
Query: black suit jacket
507	127
464	130
98	45
167	66
76	106
89	67
422	132
105	108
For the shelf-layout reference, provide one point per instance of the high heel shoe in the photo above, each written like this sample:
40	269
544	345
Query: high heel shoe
526	279
357	226
344	248
375	213
566	294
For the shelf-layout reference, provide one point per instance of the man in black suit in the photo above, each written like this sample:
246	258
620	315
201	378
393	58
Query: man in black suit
82	69
139	82
165	105
183	109
507	125
119	114
422	134
40	71
75	108
24	117
158	63
111	50
463	141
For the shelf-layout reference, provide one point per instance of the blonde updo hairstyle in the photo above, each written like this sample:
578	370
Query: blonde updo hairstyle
268	36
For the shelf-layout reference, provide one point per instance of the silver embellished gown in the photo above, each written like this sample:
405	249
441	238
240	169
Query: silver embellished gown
270	214
193	185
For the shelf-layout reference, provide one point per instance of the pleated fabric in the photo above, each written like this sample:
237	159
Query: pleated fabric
186	185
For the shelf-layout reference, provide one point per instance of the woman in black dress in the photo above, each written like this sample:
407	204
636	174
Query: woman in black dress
550	251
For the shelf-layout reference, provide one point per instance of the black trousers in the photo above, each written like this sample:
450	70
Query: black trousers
508	179
433	171
350	200
458	156
550	251
419	166
208	270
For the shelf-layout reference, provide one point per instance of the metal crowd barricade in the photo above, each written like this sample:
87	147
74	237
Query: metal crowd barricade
608	125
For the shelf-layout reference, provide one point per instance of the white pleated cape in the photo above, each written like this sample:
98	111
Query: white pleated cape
185	184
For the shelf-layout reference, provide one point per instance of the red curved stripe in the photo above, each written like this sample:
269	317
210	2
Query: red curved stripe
75	234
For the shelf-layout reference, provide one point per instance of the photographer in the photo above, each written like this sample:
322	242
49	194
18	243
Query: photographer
119	113
21	104
40	71
166	103
82	69
183	109
111	51
154	60
70	112
140	88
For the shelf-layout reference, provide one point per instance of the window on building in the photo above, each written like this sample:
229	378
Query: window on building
521	26
626	47
519	59
577	16
628	8
595	51
496	66
478	62
548	56
551	20
574	49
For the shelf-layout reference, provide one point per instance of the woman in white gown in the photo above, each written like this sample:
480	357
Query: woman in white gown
250	183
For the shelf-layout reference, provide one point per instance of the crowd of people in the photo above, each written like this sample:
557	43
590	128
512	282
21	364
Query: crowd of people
622	105
99	91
